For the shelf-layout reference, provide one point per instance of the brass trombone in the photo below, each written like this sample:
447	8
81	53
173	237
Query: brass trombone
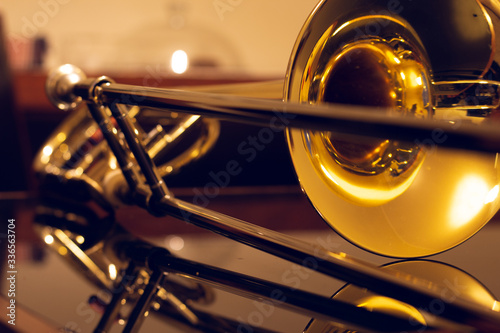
380	159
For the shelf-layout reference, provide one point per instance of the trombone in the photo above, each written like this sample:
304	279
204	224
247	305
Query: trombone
334	152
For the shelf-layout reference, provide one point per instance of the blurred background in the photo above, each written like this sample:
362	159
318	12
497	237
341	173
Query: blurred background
153	43
239	36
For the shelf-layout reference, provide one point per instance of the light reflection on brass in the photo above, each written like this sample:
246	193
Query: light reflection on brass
453	283
471	193
69	246
367	172
49	239
112	271
388	197
391	306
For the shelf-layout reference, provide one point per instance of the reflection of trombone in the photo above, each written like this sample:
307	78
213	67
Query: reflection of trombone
400	195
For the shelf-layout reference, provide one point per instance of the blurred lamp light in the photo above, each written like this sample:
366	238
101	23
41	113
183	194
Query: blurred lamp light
179	62
49	239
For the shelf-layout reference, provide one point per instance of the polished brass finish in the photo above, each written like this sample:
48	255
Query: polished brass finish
59	87
493	5
372	172
77	152
396	194
386	196
436	274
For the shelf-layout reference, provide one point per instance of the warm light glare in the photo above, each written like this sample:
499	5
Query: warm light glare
66	69
492	195
63	148
49	239
112	271
470	196
61	136
44	159
80	239
47	150
391	306
366	195
176	243
79	171
74	78
62	250
179	62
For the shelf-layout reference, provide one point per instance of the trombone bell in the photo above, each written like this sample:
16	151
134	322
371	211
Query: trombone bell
391	197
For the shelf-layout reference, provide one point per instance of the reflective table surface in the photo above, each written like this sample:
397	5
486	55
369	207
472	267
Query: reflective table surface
57	294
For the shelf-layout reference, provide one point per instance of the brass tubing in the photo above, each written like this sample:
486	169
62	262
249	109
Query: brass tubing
279	295
338	118
338	265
